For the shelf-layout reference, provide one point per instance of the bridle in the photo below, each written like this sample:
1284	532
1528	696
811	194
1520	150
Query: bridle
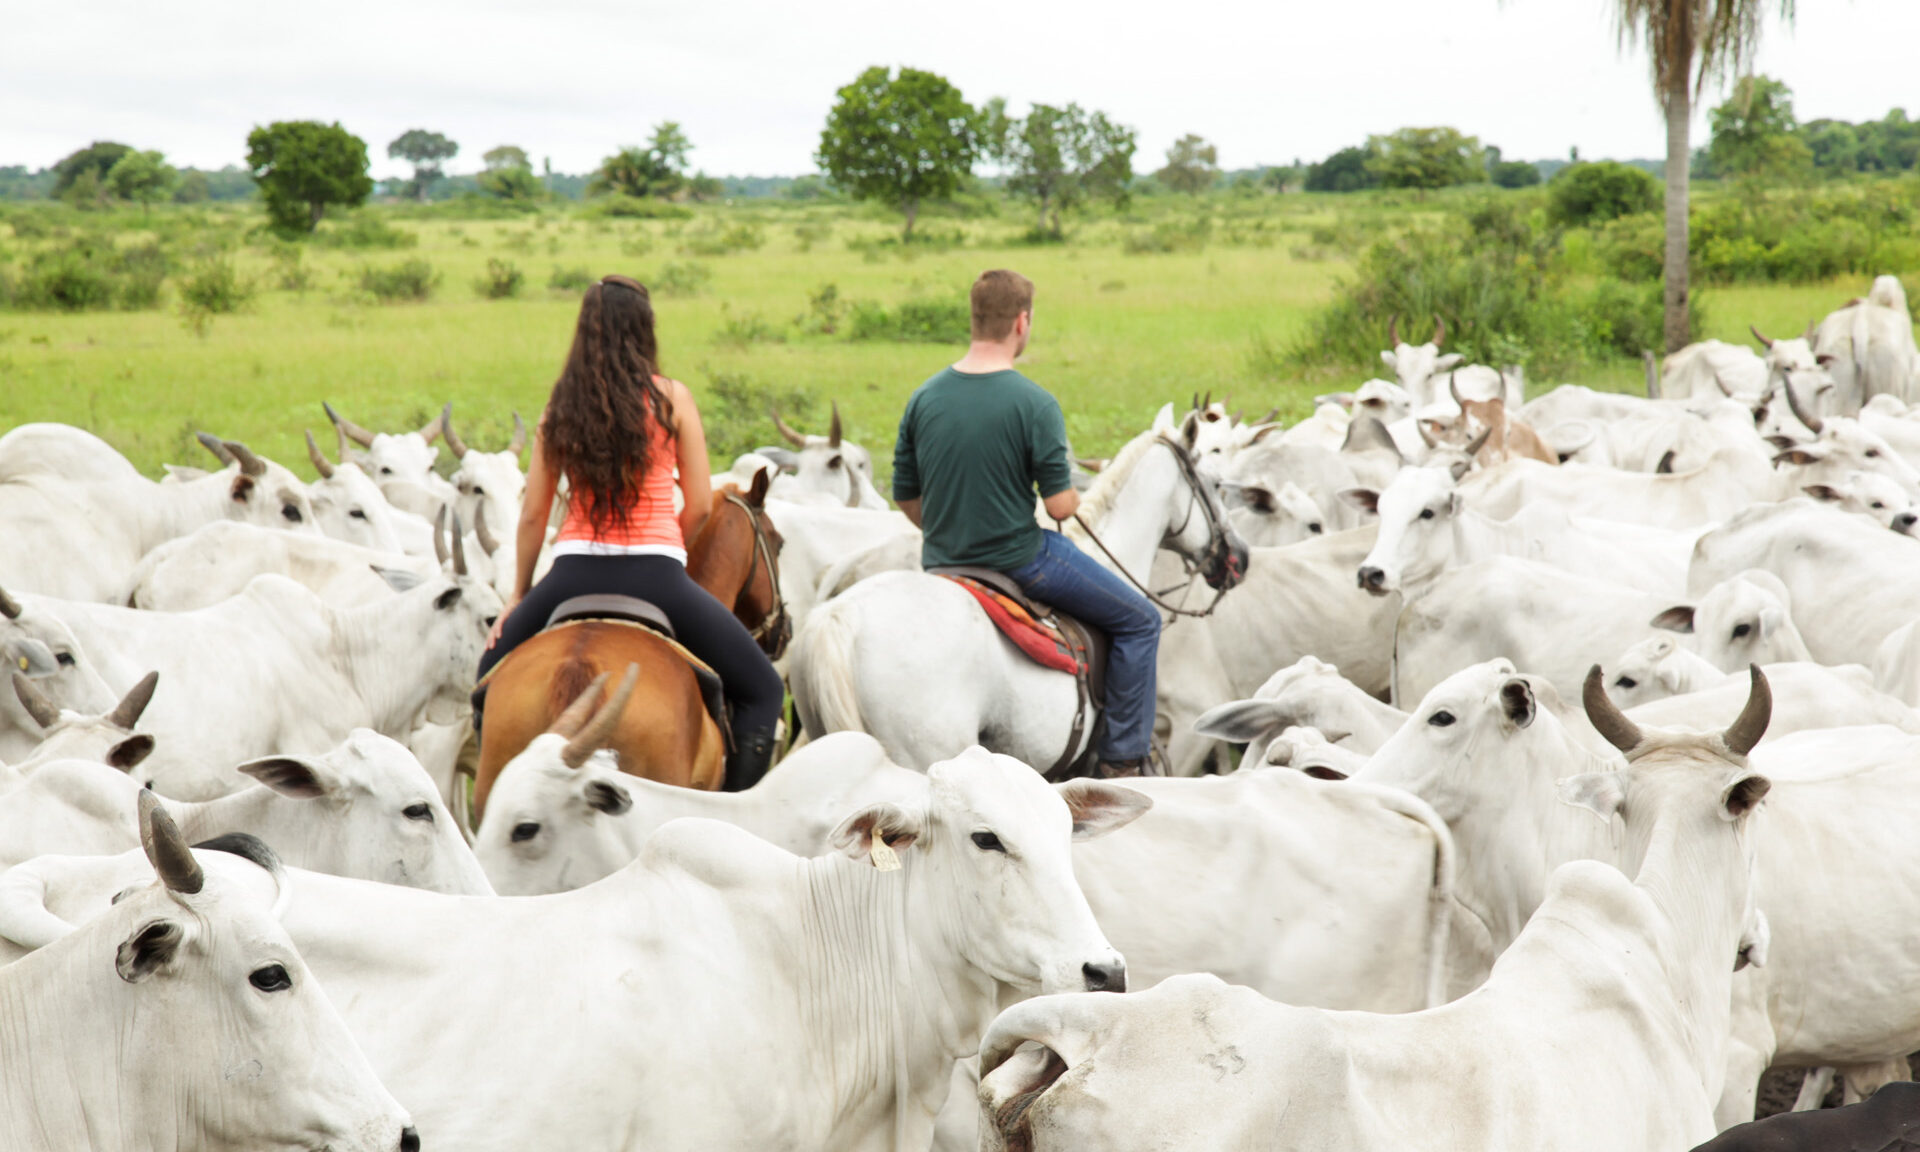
1219	552
776	627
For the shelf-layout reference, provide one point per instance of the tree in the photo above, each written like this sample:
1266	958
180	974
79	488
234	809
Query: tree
1060	157
1514	174
425	151
302	166
97	158
1347	170
1424	158
1596	193
508	174
1192	165
194	188
659	169
899	139
1755	134
142	176
671	145
1688	42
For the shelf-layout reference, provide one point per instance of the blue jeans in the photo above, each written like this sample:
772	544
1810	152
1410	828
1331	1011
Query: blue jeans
1070	580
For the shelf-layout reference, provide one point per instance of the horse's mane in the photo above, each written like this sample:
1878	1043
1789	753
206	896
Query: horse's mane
1098	500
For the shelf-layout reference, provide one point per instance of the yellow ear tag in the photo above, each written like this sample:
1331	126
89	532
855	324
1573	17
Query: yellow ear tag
885	859
23	663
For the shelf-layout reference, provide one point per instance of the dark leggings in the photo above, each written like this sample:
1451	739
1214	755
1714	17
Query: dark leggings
754	690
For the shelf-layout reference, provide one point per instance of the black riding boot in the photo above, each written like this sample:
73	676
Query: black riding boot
749	761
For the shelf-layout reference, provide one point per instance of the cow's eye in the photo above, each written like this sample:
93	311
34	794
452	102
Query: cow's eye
1873	453
385	471
1314	528
1877	506
988	842
1426	513
65	660
291	513
1626	682
1441	719
272	978
358	514
525	832
418	812
1742	631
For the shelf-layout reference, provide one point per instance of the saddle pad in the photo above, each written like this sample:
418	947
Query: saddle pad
1042	644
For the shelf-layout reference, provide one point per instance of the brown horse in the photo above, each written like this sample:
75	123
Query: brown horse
664	731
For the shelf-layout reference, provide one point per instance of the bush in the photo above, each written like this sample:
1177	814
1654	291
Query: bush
1596	193
501	282
290	272
213	285
1182	234
824	310
679	278
740	236
411	280
918	321
809	233
569	279
364	230
88	273
738	331
634	208
1514	174
733	410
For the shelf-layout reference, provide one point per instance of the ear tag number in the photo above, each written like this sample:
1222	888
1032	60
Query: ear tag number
885	859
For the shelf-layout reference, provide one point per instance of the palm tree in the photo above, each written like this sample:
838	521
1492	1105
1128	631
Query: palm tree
1691	42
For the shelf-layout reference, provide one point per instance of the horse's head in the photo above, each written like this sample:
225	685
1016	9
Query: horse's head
736	557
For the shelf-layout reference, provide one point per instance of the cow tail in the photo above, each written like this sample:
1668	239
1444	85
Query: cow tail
824	691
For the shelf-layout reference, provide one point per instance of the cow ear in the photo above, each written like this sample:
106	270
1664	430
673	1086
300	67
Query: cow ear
1098	807
1389	360
447	599
1797	456
127	754
1755	942
398	579
150	949
1743	793
1516	700
1781	443
1676	619
242	488
890	824
1241	721
1450	360
1825	493
293	776
608	798
1257	498
1365	499
1601	793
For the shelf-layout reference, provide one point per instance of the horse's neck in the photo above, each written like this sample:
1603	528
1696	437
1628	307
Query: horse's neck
1135	521
719	569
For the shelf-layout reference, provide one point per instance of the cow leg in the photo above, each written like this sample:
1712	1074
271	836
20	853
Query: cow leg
1750	1048
1813	1089
1860	1081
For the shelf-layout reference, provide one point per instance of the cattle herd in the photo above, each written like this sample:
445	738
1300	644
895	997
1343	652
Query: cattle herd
1541	773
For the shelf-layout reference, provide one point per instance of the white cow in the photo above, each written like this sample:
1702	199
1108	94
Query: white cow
80	534
1881	498
1284	493
1713	368
1309	693
817	538
365	809
1604	1026
283	672
1870	345
214	563
1662	684
67	735
44	650
349	506
400	463
491	487
828	468
772	1001
182	1017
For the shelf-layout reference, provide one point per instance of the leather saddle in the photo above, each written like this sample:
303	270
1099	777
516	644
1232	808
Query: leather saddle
1087	645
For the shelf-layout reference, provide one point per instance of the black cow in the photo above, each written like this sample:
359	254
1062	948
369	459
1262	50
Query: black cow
1887	1121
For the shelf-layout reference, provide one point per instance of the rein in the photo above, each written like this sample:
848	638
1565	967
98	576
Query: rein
777	623
1216	537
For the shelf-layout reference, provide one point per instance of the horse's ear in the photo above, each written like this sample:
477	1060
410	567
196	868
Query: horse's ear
756	494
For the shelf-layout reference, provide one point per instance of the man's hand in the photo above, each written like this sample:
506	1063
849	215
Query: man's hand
1061	505
910	509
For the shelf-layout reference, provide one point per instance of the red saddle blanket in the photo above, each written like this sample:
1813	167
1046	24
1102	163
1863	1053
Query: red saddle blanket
1039	641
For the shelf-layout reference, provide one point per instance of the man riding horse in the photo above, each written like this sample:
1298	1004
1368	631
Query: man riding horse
976	442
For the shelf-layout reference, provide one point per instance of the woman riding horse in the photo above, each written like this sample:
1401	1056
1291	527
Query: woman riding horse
616	429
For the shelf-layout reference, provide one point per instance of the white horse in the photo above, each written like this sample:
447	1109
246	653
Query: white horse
914	661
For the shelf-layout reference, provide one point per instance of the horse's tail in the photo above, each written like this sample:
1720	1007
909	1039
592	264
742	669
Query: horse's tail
821	672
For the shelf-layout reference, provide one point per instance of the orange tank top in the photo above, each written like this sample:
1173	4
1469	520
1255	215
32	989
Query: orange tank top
650	524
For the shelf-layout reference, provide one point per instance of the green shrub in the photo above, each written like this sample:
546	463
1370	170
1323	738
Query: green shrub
809	232
824	311
1514	174
1596	193
569	279
733	410
214	285
364	230
741	329
90	272
501	282
679	278
634	208
1182	234
739	236
290	271
917	321
410	280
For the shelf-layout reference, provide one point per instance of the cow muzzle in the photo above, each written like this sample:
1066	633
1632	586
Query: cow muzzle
1105	975
1374	581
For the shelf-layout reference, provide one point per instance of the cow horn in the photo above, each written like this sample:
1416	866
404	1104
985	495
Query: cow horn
1760	336
1426	437
792	437
454	442
434	428
1453	390
482	533
456	539
1752	722
1271	413
440	536
319	458
347	427
1724	390
569	722
1478	442
212	444
1606	717
44	711
9	607
518	444
594	736
250	465
1206	401
1393	330
833	429
1439	331
1813	423
166	849
1812	331
127	713
1653	374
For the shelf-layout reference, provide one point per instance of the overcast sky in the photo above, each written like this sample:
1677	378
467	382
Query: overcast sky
751	80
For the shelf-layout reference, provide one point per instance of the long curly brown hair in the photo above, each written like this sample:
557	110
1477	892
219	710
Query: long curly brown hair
605	402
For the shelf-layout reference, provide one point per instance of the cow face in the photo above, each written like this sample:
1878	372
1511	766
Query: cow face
491	486
1653	669
1866	494
349	506
376	816
1417	513
1842	448
454	616
548	827
36	645
989	859
1269	518
1467	734
1739	622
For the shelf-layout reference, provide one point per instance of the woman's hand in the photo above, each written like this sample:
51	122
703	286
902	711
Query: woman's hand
500	621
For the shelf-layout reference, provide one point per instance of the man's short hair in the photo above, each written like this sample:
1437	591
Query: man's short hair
999	297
